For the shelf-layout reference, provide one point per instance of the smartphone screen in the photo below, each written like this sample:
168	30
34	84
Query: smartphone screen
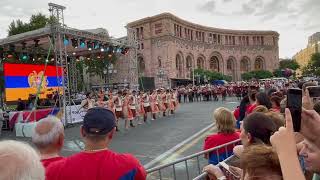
314	91
294	103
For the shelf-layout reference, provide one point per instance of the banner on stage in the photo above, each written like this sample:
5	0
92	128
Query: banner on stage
76	113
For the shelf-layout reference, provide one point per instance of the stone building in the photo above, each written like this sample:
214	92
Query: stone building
169	48
304	55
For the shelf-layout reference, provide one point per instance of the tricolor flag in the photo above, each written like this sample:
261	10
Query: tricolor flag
21	80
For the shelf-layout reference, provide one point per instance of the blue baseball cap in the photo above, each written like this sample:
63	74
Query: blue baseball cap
99	121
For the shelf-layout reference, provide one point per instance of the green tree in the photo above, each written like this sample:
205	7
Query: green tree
290	64
277	73
36	21
211	75
96	64
312	68
261	74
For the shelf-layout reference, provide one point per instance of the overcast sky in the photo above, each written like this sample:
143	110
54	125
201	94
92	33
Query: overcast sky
295	20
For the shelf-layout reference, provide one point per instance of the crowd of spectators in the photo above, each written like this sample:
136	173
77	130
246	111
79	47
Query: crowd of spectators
270	149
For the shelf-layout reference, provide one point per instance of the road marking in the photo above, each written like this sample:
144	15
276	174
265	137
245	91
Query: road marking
232	102
164	155
176	154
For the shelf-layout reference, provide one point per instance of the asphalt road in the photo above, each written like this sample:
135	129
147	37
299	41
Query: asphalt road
148	141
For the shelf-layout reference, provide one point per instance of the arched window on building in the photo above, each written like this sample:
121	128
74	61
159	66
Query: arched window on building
244	65
214	64
179	65
200	63
258	64
189	62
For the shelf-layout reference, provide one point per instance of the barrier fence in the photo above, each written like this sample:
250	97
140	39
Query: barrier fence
160	172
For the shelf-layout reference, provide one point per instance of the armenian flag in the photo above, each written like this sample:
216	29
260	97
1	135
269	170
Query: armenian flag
21	80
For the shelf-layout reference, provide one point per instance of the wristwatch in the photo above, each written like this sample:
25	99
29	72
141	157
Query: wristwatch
222	178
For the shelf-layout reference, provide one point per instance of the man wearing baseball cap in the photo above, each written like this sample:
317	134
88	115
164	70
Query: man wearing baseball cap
97	162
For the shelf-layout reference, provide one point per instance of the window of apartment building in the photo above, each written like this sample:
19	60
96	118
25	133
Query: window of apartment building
233	40
137	33
262	40
274	40
180	31
254	40
202	36
258	40
141	32
175	29
214	38
226	40
247	40
191	35
219	39
240	40
142	46
185	33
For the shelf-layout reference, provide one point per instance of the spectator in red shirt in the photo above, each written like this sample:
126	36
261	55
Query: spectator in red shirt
225	123
48	137
261	99
252	100
97	162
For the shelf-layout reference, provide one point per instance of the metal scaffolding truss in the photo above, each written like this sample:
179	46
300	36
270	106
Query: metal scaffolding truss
133	57
56	33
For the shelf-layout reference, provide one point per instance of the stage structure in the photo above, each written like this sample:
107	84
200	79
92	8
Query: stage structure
64	54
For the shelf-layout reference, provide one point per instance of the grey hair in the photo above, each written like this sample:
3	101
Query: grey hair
43	140
19	161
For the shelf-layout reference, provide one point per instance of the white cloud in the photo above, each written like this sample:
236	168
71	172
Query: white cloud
293	19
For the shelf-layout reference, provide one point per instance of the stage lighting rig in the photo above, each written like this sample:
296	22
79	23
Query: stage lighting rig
74	43
23	45
96	45
66	41
89	45
82	43
36	42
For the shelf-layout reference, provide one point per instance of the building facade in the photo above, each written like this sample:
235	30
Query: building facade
304	55
169	48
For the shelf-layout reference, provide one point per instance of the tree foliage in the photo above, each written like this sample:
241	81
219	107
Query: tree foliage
96	66
36	21
313	67
261	74
290	64
211	75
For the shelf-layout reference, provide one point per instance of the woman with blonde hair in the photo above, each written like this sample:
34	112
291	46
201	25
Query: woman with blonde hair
225	123
261	109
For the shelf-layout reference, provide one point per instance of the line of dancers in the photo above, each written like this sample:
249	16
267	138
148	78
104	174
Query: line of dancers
134	106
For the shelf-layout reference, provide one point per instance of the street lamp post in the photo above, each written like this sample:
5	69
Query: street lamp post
105	71
193	83
197	77
111	71
161	75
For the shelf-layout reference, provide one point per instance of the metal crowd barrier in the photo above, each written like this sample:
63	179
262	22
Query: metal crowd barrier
228	175
173	165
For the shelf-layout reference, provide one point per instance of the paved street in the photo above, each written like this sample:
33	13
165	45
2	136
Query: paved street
148	141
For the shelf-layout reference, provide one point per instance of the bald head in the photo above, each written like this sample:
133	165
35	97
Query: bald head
48	134
19	161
